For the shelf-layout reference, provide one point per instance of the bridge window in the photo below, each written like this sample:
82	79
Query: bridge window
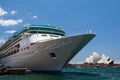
54	36
43	35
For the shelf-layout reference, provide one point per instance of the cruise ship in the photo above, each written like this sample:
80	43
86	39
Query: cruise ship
41	47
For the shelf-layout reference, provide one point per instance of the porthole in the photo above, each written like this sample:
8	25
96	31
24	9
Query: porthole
27	47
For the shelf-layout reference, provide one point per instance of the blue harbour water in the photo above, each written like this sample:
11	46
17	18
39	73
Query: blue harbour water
71	74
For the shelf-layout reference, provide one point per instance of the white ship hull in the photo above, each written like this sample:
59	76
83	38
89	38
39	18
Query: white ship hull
38	56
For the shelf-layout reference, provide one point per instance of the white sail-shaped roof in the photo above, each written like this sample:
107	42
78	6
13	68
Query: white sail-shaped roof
91	59
87	60
108	62
101	61
96	58
105	58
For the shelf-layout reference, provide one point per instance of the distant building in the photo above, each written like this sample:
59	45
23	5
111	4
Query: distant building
95	58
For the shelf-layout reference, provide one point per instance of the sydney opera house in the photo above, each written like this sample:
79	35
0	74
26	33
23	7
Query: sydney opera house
95	58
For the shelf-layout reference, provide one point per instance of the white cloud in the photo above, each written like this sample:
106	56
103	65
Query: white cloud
10	31
13	12
34	17
2	12
2	41
10	22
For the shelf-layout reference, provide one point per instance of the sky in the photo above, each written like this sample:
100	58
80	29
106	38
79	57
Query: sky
74	16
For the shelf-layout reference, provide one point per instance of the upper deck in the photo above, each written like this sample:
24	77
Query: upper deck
41	29
35	29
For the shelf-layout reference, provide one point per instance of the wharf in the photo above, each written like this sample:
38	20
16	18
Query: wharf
13	71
